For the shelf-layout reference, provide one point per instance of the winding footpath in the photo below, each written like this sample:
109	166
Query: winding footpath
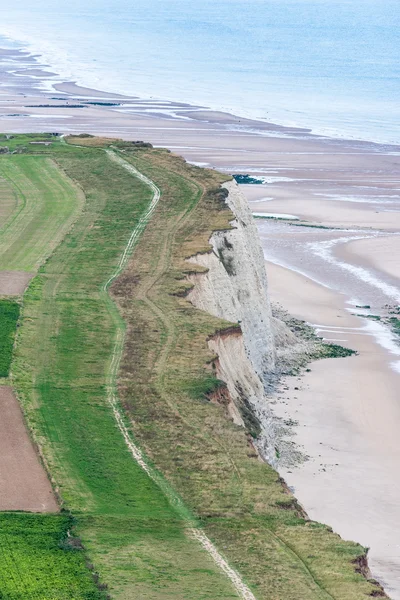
192	530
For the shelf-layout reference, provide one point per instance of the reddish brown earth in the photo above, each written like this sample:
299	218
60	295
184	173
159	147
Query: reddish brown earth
13	283
23	481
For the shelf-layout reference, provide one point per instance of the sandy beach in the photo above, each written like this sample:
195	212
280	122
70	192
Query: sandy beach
381	254
346	412
342	253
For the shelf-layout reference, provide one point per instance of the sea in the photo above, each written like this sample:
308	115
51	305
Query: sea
328	65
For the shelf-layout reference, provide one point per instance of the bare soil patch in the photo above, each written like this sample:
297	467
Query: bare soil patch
23	482
13	283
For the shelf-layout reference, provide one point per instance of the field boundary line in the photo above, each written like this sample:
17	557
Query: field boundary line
196	533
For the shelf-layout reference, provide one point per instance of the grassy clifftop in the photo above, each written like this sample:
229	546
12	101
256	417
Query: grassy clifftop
135	530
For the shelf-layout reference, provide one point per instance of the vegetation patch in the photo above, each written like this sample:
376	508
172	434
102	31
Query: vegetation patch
9	315
38	559
316	226
371	317
249	418
335	351
202	387
315	348
247	179
216	198
395	324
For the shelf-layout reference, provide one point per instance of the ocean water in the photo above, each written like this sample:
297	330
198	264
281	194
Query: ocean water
329	65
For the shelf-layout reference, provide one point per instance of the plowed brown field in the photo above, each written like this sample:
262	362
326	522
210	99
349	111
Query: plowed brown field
13	283
23	482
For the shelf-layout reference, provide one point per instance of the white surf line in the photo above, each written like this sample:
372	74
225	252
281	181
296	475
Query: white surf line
290	267
340	331
382	334
316	326
284	216
386	339
323	249
242	589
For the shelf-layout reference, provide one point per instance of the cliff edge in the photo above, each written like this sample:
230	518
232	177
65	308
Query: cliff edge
234	287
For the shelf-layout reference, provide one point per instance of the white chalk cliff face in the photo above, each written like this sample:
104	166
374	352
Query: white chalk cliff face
235	288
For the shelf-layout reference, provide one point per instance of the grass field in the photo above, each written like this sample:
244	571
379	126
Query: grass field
133	534
8	199
38	560
9	314
46	205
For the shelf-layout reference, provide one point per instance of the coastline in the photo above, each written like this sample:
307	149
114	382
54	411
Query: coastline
344	414
49	79
306	175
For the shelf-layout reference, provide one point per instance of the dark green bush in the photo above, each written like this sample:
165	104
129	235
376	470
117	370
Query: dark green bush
9	315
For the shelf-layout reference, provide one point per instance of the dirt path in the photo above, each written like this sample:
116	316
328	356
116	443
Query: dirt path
23	482
193	531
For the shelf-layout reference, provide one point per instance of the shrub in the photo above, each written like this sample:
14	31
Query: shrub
9	315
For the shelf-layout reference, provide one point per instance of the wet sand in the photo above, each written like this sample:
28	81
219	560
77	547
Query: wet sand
348	413
381	254
348	410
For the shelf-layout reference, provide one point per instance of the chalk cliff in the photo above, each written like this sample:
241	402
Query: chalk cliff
235	288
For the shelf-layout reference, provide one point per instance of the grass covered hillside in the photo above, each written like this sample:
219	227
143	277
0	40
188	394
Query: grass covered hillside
160	494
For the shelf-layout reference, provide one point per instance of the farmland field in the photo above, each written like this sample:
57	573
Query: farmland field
130	517
8	199
63	353
24	483
46	202
38	560
9	314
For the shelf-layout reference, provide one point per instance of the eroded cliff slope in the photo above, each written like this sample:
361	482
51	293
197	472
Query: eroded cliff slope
235	288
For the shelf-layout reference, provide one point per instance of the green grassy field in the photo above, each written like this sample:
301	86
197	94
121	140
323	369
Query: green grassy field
135	532
39	560
8	199
47	203
9	314
133	535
